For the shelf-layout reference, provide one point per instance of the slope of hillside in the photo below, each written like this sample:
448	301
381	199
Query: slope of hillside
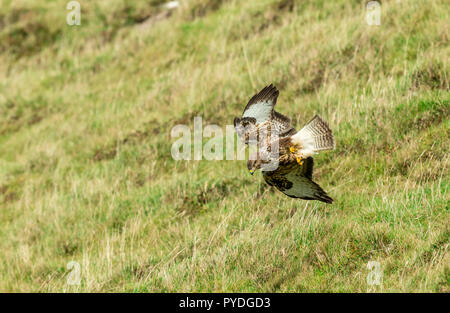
86	172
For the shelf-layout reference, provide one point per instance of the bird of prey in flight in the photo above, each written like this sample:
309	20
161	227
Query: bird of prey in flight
280	144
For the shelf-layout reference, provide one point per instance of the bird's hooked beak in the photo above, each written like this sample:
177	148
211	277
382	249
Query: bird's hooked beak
252	172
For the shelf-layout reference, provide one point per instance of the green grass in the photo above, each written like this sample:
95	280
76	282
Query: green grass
86	173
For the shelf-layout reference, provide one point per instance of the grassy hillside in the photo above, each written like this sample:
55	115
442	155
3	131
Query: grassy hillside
86	173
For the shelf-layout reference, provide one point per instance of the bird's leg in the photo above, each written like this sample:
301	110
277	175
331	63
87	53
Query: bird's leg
299	158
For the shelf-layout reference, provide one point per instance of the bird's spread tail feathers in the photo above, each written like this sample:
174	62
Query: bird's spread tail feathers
314	137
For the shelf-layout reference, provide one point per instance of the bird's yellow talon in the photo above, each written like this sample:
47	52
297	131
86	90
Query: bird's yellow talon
299	160
292	149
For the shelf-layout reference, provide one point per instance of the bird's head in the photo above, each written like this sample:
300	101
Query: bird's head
253	165
266	162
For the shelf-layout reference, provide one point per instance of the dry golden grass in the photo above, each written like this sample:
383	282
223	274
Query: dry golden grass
86	173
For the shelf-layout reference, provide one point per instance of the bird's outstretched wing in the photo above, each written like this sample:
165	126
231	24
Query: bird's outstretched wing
261	105
260	110
296	181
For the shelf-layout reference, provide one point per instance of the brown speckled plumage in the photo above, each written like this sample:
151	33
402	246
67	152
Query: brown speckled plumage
289	167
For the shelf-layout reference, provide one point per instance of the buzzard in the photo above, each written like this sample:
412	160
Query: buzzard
293	156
